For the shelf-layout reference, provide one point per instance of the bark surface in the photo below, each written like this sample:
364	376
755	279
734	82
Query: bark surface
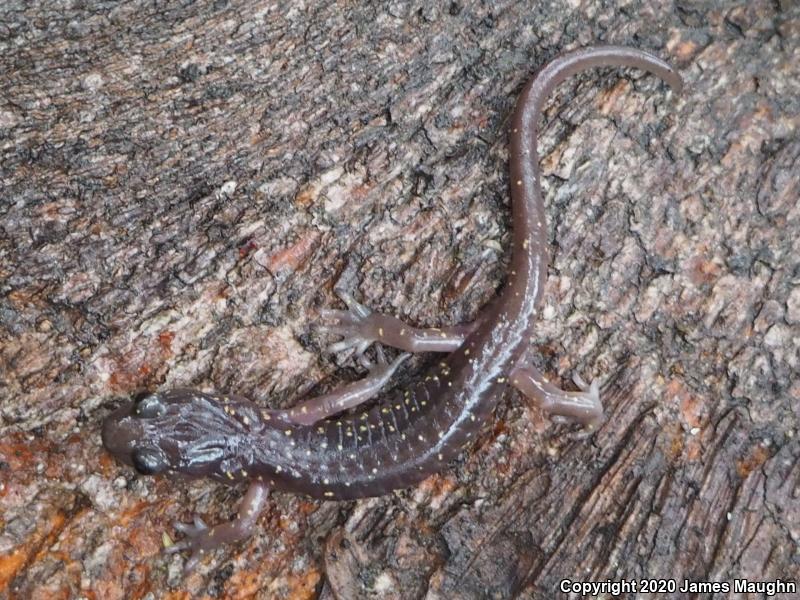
183	183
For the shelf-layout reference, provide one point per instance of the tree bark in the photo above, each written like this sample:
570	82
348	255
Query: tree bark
183	183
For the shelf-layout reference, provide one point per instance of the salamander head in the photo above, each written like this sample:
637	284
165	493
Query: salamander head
181	431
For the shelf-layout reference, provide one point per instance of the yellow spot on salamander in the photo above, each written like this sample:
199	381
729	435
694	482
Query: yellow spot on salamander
288	432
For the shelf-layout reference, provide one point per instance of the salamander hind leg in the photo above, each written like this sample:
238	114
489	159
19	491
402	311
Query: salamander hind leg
360	327
201	539
583	407
355	325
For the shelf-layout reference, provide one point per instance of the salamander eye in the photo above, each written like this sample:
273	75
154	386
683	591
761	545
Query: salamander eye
148	461
148	406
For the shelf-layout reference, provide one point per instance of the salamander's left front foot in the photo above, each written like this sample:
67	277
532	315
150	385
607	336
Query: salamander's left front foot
201	539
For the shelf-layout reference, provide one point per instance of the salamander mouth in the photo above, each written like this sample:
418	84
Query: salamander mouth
120	432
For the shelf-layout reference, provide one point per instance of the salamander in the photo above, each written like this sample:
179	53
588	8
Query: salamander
321	449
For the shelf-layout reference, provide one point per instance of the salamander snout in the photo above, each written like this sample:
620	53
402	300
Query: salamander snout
125	433
180	431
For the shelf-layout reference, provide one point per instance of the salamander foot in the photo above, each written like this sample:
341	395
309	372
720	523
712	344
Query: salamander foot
592	409
321	407
201	539
360	327
355	325
583	407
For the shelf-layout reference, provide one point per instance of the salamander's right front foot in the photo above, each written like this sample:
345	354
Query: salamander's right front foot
348	396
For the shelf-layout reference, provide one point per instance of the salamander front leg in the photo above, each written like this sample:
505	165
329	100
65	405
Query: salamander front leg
581	407
360	327
347	396
201	539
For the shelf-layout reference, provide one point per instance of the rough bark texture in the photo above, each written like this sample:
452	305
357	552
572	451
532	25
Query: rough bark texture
183	183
